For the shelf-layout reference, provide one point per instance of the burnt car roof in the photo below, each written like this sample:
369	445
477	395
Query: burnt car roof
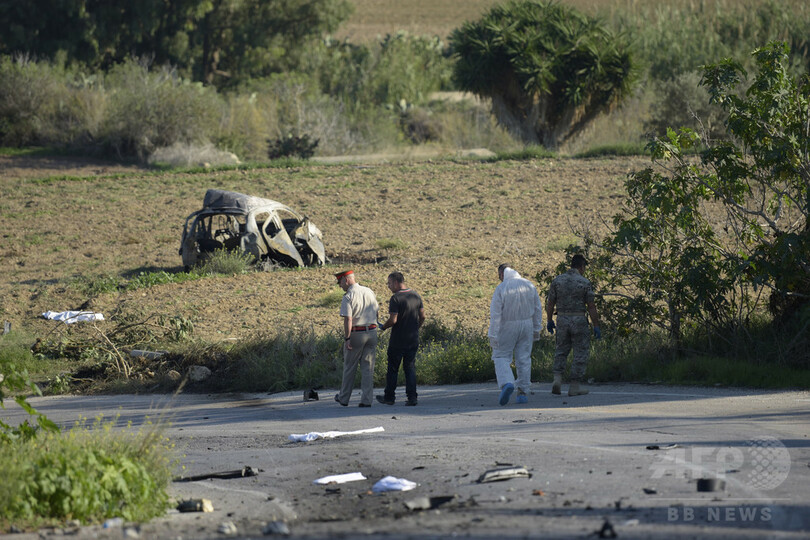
219	200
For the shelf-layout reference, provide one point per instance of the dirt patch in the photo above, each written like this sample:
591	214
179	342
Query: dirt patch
452	223
48	166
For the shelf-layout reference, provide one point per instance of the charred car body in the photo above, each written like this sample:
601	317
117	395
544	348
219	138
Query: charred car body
273	233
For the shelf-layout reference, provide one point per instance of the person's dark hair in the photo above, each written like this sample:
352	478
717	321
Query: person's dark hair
397	276
503	267
578	261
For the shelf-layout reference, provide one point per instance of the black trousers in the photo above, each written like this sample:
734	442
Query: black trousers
407	357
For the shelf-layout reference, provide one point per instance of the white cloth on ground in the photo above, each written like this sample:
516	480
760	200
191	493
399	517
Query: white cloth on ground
70	317
311	436
391	483
340	478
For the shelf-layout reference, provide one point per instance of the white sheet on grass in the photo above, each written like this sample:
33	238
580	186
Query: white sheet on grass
70	317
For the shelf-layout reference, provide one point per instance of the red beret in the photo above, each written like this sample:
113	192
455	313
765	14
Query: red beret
343	274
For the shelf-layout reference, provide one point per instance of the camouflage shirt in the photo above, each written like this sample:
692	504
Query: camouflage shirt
570	292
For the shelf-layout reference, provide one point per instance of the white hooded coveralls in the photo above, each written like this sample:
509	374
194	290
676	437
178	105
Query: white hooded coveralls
515	320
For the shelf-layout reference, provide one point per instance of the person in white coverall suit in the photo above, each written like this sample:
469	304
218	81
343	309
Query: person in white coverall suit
515	321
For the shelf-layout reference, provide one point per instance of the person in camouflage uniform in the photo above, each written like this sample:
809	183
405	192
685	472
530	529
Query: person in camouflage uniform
571	293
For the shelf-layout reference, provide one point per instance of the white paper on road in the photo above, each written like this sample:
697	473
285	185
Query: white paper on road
340	478
312	435
70	317
391	483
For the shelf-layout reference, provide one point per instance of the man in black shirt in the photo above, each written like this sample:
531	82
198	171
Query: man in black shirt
406	314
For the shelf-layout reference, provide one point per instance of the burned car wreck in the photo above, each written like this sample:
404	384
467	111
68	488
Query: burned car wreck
274	234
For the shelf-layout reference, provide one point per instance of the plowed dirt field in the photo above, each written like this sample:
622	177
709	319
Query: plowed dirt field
445	224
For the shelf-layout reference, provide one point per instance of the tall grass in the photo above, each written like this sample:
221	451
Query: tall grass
298	359
679	36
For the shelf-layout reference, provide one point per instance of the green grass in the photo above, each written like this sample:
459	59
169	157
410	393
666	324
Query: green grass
222	262
391	243
559	243
528	152
90	473
331	299
620	149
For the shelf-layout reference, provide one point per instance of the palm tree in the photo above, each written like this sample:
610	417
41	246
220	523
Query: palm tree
549	69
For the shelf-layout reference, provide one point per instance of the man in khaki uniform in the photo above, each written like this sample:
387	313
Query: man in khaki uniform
359	311
571	293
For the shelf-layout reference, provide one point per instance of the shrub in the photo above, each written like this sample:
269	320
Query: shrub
29	92
152	109
227	263
292	145
90	474
683	102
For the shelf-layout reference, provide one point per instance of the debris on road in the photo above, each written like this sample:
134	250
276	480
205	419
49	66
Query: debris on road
313	435
195	505
391	483
497	475
276	527
710	484
227	527
650	491
665	447
428	503
247	470
311	395
339	478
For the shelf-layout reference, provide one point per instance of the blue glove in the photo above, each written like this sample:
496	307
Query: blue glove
597	332
551	326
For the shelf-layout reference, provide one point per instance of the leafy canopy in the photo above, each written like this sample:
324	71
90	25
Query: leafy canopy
548	68
700	240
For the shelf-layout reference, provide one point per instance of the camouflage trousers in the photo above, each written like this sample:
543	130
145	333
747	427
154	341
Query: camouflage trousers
572	332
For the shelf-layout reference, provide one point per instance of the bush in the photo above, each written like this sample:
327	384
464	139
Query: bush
296	358
32	96
683	102
89	474
292	146
153	109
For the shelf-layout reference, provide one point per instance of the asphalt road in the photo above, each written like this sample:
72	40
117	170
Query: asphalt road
625	459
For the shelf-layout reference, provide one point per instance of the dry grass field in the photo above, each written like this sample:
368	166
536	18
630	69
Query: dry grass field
374	18
445	224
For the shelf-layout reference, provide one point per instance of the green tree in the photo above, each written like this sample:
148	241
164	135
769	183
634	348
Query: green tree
700	240
242	39
215	41
549	69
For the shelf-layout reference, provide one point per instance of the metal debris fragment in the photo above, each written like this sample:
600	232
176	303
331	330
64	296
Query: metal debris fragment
710	484
496	475
195	505
239	473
